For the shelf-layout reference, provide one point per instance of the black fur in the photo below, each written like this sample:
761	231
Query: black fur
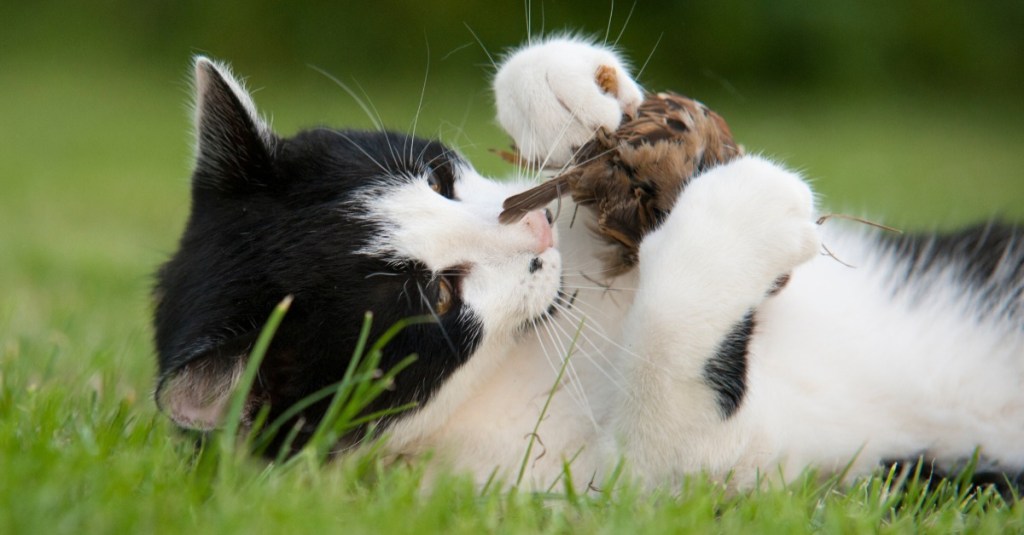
726	371
988	259
271	217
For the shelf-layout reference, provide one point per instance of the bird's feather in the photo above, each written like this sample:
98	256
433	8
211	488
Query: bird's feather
631	177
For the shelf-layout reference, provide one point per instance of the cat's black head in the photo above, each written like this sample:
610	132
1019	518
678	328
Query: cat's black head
346	222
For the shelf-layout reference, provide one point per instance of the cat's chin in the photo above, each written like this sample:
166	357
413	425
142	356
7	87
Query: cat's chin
560	302
531	325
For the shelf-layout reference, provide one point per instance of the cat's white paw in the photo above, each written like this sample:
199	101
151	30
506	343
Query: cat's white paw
553	96
749	219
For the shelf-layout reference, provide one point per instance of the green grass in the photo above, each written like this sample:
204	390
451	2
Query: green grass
93	192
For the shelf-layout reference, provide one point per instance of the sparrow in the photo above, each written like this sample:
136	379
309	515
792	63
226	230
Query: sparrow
632	176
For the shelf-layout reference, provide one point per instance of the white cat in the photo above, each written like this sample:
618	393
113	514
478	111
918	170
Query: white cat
687	363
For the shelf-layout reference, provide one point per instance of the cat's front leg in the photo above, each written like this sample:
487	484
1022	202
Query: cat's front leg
734	231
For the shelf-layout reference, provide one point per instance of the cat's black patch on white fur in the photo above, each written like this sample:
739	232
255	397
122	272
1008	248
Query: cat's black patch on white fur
726	371
276	217
987	258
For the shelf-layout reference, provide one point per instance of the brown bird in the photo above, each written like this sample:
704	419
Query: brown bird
631	177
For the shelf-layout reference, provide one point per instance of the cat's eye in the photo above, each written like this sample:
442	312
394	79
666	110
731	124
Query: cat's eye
435	184
441	180
444	297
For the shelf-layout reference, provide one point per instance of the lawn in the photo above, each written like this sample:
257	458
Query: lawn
94	190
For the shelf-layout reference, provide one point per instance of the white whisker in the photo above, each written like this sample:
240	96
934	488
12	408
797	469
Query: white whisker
373	107
419	105
380	119
444	332
649	56
569	313
362	150
529	26
608	28
375	120
574	115
624	24
571	368
481	43
543	347
596	353
588	309
566	354
382	274
456	49
598	288
573	380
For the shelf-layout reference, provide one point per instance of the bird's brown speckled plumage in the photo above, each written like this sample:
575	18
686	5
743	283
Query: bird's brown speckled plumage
631	177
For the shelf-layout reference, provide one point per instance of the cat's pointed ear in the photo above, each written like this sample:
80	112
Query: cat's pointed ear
234	145
197	395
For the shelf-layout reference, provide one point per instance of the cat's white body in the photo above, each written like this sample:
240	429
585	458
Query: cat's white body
843	368
689	362
846	365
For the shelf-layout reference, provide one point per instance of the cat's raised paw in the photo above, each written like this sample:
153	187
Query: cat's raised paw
553	96
749	218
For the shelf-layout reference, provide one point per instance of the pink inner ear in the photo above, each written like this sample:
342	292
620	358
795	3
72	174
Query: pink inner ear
197	396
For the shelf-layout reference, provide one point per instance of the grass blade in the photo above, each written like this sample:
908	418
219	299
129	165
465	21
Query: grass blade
228	436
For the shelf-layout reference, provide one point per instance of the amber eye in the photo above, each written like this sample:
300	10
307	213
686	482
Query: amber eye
444	297
441	180
435	184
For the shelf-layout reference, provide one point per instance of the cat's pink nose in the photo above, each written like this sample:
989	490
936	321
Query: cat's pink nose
539	225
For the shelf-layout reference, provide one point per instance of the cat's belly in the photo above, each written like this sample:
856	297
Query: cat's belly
844	367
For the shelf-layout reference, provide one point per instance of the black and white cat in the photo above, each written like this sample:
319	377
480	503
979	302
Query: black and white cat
687	363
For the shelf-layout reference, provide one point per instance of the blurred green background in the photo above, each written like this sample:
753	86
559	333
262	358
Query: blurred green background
906	111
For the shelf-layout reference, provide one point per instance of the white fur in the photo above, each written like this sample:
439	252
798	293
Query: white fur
202	82
842	367
444	233
548	99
